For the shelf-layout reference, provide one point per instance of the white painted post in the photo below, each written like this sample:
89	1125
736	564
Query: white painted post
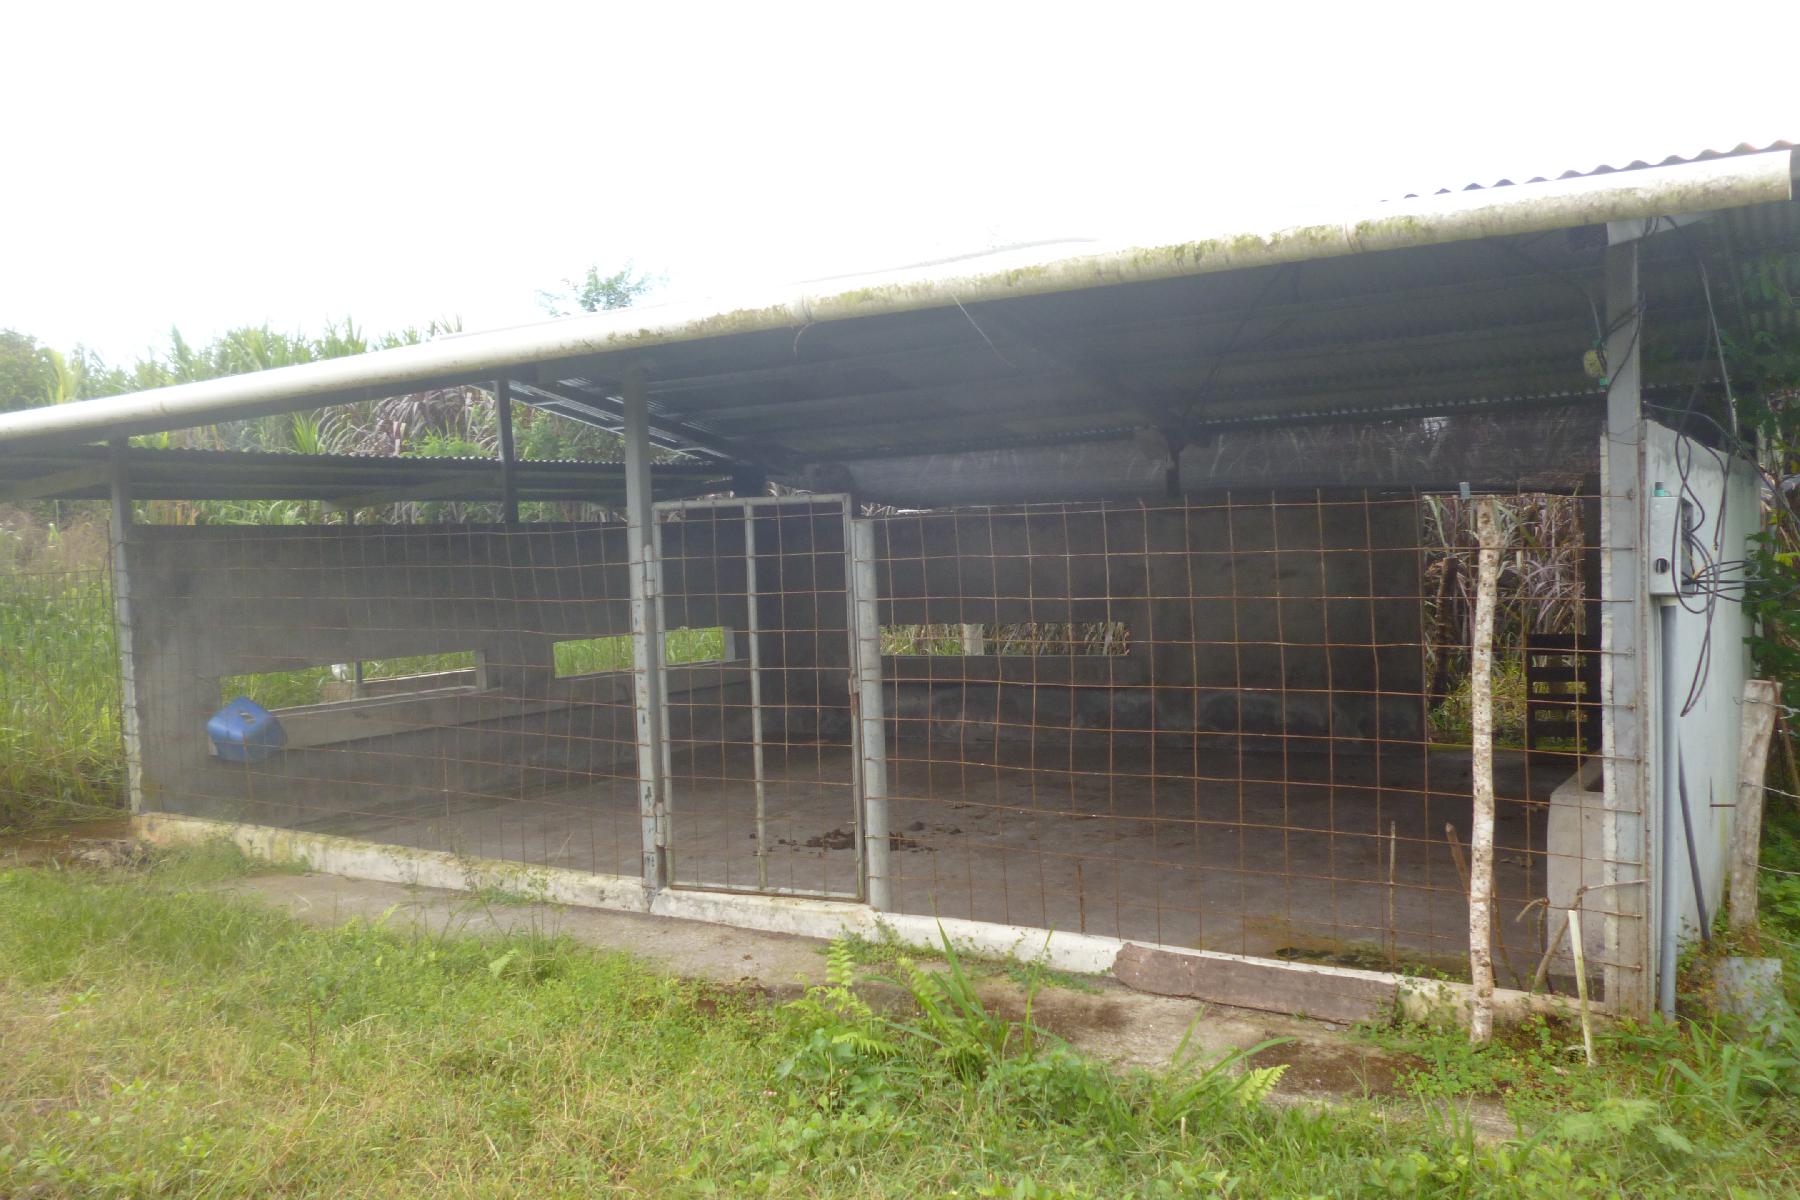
646	634
130	716
1481	836
1627	679
876	834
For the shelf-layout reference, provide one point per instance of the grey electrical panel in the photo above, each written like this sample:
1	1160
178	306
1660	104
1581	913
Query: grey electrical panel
1671	561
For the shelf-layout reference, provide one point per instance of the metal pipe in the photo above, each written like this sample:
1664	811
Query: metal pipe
1458	216
821	499
1693	853
756	709
1667	902
873	727
662	690
356	667
509	483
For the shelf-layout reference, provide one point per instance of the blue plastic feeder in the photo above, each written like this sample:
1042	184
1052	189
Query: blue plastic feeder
245	732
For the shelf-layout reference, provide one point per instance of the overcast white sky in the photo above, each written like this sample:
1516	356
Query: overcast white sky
207	166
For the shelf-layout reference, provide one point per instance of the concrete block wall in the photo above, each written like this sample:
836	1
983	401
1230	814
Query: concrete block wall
222	601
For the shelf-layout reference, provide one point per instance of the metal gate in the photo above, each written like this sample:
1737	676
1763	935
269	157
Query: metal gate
759	669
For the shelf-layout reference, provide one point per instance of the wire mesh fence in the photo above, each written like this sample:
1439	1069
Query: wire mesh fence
1235	722
762	778
449	688
1274	760
468	689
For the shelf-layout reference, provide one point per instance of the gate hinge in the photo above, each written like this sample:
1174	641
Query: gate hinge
652	572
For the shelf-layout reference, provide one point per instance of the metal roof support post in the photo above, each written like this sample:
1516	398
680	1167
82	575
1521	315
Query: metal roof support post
358	686
646	635
1626	663
509	484
753	641
869	708
130	716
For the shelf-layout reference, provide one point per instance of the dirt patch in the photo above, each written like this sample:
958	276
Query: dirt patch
106	843
1320	1068
844	839
1066	1014
710	999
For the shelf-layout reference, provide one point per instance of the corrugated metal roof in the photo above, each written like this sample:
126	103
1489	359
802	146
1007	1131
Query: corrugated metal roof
1181	338
1636	164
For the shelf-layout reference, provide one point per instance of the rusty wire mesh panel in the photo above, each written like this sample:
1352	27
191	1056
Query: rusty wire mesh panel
1245	729
761	764
457	688
1237	723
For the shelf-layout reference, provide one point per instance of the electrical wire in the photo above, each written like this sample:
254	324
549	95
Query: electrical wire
1706	562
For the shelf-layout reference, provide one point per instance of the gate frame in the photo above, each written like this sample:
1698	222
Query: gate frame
857	629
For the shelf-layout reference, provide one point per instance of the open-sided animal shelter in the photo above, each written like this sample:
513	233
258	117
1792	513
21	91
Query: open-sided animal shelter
1076	596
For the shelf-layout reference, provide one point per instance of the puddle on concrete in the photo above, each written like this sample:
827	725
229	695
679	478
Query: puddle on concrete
86	842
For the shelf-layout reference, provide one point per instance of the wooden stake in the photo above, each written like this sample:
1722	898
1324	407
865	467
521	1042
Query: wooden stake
1462	873
1456	855
1581	990
1481	835
1760	698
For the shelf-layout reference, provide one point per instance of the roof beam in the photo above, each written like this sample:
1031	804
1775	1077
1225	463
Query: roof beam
1421	398
429	489
40	486
1370	412
667	430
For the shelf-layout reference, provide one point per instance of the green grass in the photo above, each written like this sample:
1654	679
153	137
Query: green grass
165	1041
1452	721
60	753
884	953
588	656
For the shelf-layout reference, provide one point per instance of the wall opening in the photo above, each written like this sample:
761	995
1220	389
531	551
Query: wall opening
364	679
1024	639
681	648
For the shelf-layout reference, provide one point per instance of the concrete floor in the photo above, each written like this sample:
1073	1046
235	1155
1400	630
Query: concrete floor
1247	853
